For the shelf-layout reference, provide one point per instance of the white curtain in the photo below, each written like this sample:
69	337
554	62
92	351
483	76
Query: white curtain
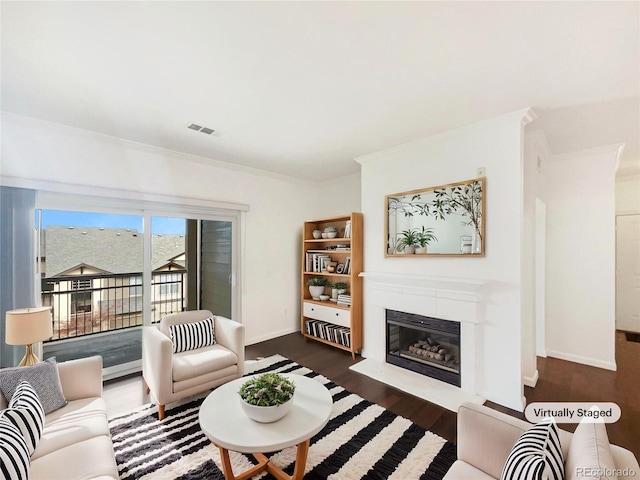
17	261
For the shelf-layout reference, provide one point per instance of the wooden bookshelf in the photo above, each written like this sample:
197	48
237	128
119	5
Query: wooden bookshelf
333	322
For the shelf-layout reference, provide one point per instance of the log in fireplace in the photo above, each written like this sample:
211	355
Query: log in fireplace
430	346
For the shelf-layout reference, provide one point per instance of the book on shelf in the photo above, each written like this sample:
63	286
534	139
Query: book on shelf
347	266
345	337
328	331
344	300
347	229
316	262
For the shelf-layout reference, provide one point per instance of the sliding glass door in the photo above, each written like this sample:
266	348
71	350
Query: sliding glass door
203	275
90	268
169	266
107	275
218	280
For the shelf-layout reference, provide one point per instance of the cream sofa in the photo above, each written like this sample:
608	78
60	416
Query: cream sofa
485	439
76	442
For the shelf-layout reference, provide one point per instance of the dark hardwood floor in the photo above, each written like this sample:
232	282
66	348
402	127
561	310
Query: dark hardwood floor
559	381
572	382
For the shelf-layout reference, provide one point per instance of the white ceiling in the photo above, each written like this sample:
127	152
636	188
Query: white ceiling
301	88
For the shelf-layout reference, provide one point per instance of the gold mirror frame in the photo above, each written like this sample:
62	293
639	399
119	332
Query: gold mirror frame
448	218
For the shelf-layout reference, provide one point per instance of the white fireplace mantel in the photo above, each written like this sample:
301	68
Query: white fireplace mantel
453	284
449	298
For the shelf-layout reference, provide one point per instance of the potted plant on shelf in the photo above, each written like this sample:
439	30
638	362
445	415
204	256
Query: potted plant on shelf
316	286
407	240
336	289
267	397
423	238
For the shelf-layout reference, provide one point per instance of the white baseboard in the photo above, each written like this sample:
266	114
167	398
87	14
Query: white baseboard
530	381
109	373
593	362
270	336
517	402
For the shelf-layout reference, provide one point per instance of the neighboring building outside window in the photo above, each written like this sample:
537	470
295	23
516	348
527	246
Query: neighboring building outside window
136	286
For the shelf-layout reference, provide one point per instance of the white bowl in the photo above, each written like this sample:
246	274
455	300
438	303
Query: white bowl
324	298
332	234
266	414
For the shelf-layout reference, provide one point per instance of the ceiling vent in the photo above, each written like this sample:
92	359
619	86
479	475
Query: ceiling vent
200	128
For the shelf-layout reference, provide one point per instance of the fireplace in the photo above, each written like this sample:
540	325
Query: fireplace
430	346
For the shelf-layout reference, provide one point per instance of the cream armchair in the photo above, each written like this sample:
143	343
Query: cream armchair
172	376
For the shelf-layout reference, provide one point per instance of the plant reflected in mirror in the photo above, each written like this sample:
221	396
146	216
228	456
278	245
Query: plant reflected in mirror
437	217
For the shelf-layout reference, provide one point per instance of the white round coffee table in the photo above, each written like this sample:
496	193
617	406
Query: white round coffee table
227	426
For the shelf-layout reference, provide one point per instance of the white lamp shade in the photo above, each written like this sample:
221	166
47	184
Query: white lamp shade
28	325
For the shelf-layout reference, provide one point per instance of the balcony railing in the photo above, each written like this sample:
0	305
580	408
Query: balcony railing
90	304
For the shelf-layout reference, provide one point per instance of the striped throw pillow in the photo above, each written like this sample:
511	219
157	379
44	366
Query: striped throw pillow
189	336
537	455
26	413
14	454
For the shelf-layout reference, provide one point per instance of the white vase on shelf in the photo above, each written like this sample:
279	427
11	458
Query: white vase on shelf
476	243
316	291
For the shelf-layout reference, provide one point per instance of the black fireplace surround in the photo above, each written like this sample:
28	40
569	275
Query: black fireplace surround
430	346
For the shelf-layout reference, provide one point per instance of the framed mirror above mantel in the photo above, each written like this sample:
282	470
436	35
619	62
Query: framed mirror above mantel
444	220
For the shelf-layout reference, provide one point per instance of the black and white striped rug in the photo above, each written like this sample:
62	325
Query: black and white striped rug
361	441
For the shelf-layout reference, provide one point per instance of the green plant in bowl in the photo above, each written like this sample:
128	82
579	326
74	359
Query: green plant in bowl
267	390
316	286
340	286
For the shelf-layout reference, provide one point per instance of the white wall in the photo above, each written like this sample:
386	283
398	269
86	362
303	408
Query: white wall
628	194
454	156
528	262
337	197
84	162
540	275
580	264
576	296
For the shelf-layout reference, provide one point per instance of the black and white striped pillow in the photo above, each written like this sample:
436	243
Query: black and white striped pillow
537	455
14	455
26	412
189	336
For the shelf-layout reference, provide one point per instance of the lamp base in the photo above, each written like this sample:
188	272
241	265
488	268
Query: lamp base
29	357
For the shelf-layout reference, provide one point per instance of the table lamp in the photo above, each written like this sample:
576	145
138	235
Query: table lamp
27	326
